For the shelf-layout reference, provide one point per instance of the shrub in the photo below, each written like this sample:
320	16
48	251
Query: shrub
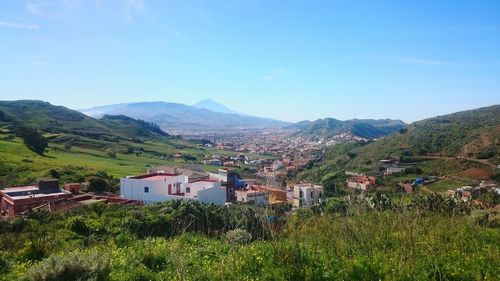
3	265
72	266
111	153
238	236
336	206
486	153
79	226
98	184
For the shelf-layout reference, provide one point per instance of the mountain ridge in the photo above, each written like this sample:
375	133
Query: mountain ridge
454	141
178	116
215	107
365	128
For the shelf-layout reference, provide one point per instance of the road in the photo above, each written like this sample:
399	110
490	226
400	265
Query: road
480	161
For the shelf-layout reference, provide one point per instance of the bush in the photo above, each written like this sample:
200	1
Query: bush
98	184
486	153
3	265
79	226
72	266
238	236
490	198
336	206
111	153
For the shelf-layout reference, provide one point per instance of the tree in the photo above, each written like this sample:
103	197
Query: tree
33	139
101	181
98	184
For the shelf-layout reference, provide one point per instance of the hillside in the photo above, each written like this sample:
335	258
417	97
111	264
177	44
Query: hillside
365	128
181	117
472	133
450	144
79	144
58	119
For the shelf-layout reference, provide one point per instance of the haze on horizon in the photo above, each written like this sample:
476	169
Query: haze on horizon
288	60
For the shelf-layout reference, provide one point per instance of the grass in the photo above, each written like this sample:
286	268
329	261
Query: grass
447	184
25	166
363	246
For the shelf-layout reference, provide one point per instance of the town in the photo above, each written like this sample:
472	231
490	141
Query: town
225	187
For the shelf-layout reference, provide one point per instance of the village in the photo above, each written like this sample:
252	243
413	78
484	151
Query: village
248	177
222	188
225	187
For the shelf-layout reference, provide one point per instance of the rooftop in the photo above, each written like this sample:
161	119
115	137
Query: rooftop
154	177
19	189
203	180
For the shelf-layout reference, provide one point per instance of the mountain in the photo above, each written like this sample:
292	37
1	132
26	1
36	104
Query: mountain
467	134
214	106
61	120
453	143
365	128
181	117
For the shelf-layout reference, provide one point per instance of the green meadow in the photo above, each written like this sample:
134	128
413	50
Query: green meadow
19	165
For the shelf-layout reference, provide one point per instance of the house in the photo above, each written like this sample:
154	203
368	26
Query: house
16	200
362	182
252	197
307	195
393	171
276	196
231	181
161	187
213	162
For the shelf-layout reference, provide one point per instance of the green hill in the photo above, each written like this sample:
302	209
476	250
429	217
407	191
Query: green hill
365	128
444	145
473	134
79	144
58	119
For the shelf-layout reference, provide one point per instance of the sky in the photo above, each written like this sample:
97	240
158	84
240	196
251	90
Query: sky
290	60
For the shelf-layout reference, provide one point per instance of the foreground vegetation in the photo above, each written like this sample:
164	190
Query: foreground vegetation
343	240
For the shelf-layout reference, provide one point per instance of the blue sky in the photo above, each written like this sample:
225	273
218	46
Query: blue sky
290	60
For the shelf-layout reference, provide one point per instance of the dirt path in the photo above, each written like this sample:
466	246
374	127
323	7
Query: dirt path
484	162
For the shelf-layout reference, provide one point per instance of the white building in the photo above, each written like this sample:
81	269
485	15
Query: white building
307	195
252	197
163	187
393	171
221	176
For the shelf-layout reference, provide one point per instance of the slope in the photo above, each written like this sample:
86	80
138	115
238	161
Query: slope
444	145
176	116
365	128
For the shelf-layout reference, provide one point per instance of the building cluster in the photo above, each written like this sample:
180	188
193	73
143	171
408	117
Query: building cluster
361	182
469	193
224	187
48	195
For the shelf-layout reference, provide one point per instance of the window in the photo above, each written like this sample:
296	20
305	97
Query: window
301	194
312	194
188	189
146	189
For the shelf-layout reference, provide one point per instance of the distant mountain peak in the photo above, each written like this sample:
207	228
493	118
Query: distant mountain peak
214	106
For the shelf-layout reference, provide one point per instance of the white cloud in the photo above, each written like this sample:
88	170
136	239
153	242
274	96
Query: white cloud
19	25
133	7
37	9
273	75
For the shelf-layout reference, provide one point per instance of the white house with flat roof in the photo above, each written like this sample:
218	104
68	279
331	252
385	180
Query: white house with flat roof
307	195
252	197
161	187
